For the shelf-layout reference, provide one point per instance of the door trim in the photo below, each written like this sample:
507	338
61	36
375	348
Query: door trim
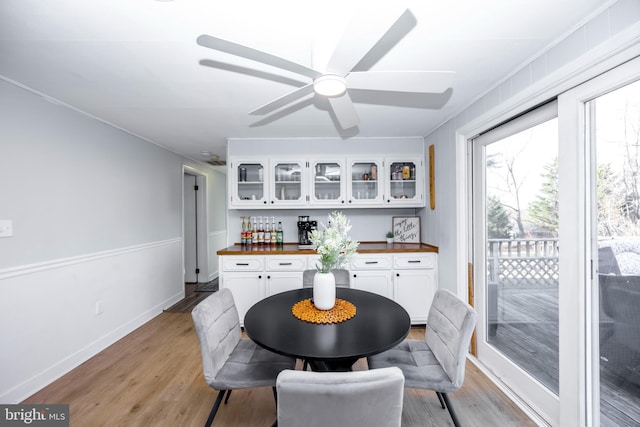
202	219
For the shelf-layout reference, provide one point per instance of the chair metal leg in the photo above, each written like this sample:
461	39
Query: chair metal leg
305	365
214	410
456	423
227	398
440	399
275	397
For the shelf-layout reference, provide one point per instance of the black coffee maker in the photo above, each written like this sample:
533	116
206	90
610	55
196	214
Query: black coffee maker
305	227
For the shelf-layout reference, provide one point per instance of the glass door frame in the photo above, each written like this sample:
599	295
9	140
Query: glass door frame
581	381
539	398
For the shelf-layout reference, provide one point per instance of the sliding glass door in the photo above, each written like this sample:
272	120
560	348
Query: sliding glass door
556	252
515	209
609	109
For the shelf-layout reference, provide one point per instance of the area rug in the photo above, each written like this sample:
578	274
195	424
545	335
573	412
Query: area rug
211	286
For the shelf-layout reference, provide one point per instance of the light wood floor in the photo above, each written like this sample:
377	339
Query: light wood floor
153	377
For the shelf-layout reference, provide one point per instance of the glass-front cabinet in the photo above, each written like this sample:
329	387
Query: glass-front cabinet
405	178
288	180
327	186
365	178
326	182
248	183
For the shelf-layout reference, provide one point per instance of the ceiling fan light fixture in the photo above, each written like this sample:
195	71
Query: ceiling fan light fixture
330	85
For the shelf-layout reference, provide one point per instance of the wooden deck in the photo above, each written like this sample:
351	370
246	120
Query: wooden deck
528	334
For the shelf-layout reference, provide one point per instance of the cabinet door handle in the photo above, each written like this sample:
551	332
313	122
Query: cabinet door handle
355	275
268	277
242	263
265	202
284	263
398	274
412	261
260	276
371	262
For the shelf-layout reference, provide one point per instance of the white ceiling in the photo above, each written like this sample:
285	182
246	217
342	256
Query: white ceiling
135	63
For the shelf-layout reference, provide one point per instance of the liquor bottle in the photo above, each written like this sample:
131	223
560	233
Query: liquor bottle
243	234
260	232
274	232
254	233
279	234
267	231
406	172
248	234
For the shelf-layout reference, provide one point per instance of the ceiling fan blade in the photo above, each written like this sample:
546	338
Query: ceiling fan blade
344	110
366	33
401	81
283	100
256	55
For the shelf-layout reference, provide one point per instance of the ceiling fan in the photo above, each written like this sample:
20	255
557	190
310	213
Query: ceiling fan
340	74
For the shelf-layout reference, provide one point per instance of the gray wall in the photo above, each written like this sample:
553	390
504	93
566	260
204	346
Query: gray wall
97	245
73	185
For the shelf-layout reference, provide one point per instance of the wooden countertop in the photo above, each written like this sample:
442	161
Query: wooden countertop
292	249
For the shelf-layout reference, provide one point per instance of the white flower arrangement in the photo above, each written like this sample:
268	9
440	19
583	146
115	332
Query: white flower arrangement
333	243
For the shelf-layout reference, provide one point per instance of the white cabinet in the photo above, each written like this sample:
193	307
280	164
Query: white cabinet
244	276
364	181
252	278
415	283
404	178
288	182
326	182
409	278
248	186
372	272
284	273
263	183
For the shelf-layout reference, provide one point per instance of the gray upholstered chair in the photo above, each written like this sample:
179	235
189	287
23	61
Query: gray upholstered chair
438	362
229	361
341	275
358	398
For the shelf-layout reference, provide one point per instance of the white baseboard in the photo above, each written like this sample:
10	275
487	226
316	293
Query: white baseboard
133	284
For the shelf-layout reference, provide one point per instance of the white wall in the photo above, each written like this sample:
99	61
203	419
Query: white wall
97	218
587	51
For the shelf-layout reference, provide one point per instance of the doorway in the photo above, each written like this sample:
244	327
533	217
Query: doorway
195	253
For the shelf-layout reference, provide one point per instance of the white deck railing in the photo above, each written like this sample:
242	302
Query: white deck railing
523	261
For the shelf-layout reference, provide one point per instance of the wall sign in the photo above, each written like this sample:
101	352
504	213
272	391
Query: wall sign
406	229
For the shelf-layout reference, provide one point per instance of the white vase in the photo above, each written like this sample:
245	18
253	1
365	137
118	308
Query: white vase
324	291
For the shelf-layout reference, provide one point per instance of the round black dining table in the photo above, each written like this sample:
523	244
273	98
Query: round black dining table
378	325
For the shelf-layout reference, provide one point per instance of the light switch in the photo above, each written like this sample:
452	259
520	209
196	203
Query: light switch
6	228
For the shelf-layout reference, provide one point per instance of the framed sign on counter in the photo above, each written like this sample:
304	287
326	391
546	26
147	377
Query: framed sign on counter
406	229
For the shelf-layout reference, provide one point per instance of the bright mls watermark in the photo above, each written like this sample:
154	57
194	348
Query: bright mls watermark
34	415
